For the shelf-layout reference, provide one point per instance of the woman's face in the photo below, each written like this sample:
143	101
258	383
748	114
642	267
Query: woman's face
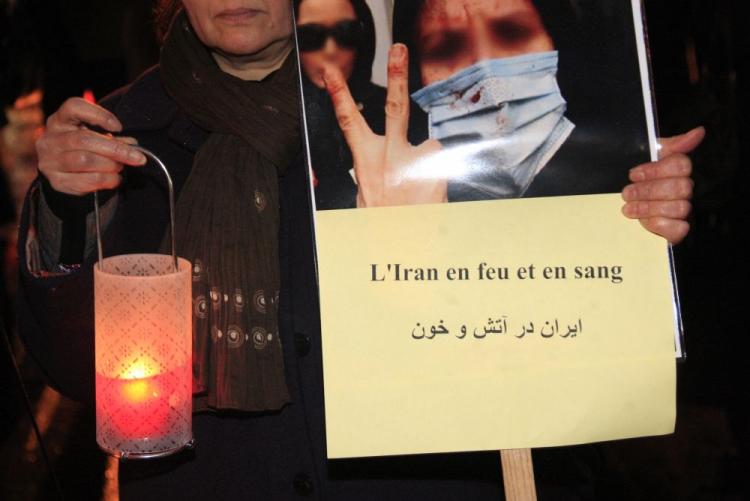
326	14
454	34
238	28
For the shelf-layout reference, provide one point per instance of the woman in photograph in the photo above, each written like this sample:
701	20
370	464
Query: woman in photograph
341	33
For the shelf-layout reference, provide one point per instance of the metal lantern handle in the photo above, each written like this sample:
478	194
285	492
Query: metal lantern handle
170	186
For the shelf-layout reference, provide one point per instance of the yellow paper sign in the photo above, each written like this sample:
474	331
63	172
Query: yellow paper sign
493	325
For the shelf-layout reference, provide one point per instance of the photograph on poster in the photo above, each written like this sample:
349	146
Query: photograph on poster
529	294
506	99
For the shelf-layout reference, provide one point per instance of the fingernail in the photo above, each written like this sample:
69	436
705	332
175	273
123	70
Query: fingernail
628	193
698	131
114	124
692	132
137	157
398	52
628	210
637	174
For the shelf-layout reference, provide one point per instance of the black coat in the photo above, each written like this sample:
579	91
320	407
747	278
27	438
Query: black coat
238	456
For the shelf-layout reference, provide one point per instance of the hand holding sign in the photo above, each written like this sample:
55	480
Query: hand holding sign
660	194
386	167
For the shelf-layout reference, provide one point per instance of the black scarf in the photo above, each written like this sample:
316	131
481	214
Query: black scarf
228	221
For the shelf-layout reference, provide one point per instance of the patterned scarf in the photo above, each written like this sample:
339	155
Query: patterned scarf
228	221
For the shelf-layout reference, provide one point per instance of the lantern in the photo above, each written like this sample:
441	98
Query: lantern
143	349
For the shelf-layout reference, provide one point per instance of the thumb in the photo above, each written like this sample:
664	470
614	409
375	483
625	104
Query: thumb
684	143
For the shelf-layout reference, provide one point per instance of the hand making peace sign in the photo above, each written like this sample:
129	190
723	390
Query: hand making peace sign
387	168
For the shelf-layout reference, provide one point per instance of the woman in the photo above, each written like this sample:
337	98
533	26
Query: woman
261	432
544	70
340	33
222	111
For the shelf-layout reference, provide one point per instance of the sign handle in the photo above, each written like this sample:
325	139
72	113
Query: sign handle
518	475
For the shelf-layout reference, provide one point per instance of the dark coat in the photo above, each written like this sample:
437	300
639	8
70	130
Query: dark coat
238	456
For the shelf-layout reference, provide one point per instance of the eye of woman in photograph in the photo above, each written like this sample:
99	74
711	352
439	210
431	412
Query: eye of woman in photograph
454	35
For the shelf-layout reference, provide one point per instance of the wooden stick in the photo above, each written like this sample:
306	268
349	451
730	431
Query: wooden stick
518	475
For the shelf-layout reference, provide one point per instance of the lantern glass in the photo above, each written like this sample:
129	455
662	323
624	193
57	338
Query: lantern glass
143	314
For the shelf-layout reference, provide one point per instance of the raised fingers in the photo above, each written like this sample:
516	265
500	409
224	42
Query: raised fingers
397	98
352	123
76	111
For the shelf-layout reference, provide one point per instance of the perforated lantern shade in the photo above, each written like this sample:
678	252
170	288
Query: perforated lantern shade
143	355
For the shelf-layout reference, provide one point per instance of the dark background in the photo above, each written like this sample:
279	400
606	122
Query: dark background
700	54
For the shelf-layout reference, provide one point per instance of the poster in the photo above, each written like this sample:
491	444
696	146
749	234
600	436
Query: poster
479	288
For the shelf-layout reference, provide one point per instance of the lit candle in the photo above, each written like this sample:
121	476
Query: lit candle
138	386
145	399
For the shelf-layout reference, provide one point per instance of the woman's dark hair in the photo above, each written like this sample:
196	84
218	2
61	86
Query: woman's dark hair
362	72
164	12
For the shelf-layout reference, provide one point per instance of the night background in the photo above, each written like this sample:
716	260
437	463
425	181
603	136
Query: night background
700	55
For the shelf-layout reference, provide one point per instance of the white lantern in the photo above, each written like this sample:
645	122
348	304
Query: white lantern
143	345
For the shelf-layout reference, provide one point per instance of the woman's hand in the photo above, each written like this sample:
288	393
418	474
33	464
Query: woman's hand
77	160
660	194
387	168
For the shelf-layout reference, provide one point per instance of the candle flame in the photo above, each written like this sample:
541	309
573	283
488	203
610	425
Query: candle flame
138	370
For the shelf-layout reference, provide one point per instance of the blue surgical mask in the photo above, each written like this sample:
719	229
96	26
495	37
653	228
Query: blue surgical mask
505	117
